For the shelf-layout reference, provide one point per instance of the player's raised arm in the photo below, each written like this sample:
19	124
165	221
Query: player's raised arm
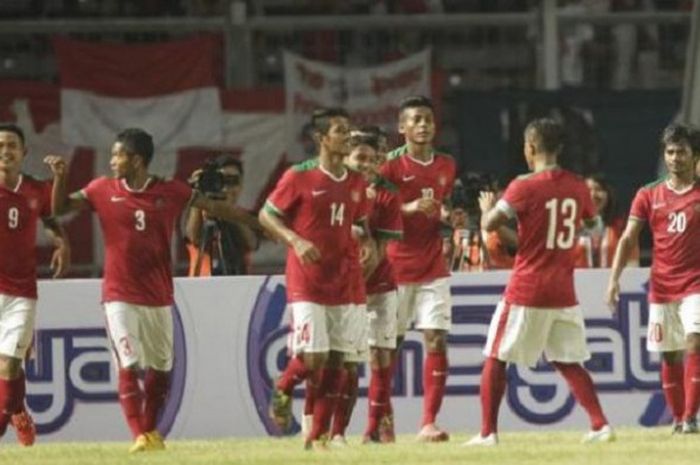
628	242
274	225
492	218
60	258
61	203
223	210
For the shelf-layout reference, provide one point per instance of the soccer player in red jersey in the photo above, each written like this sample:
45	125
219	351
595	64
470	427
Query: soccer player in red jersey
23	201
425	179
312	210
137	213
671	208
539	311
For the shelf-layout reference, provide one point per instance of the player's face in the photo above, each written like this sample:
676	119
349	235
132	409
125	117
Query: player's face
679	159
361	159
121	163
337	139
418	125
529	152
12	152
598	194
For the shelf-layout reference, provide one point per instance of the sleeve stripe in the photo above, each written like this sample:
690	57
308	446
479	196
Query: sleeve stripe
389	233
505	207
271	208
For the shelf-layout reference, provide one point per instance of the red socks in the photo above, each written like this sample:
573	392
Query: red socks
11	399
692	385
379	396
493	386
293	374
672	384
326	397
155	386
131	400
434	379
342	411
581	386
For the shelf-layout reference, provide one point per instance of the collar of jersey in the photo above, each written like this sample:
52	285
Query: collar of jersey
342	177
145	185
547	168
19	183
421	162
682	191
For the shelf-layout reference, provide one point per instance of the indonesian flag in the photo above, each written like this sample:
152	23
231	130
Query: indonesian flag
169	89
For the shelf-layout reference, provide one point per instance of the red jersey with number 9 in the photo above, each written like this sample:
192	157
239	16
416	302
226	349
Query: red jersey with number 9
321	209
550	206
20	208
137	227
674	219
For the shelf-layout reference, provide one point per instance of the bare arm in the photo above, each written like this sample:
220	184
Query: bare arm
224	210
628	242
491	218
60	259
508	237
193	225
274	225
61	203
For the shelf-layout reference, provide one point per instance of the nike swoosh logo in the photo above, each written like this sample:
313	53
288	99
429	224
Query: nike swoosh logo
114	198
317	193
408	178
657	205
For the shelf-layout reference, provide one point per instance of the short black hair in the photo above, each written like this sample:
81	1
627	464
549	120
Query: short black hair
374	130
136	141
679	133
364	138
415	101
227	159
321	118
546	134
13	128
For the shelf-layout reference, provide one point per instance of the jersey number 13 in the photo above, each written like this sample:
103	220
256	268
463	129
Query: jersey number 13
562	215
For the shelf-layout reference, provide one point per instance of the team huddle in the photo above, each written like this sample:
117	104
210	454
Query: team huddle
365	265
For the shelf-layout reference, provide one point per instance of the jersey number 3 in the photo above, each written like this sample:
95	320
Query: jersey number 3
563	213
140	220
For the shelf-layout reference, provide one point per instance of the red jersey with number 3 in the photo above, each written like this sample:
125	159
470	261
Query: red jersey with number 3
550	206
321	209
674	219
20	209
137	227
418	257
386	223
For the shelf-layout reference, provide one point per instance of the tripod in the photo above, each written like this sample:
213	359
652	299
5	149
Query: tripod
210	228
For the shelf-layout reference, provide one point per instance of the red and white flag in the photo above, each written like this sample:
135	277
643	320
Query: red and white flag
169	89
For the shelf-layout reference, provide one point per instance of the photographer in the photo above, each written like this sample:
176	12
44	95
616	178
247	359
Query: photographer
217	247
468	247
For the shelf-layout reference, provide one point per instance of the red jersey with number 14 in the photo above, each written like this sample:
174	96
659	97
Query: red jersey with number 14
321	208
137	227
418	257
674	219
550	206
20	209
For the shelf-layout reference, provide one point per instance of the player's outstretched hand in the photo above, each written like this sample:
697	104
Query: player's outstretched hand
306	251
487	200
57	164
60	260
612	296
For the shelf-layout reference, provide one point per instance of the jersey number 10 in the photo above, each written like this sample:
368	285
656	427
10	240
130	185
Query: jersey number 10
563	213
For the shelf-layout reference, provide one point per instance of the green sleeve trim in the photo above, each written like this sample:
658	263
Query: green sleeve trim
389	234
272	209
306	165
397	152
384	183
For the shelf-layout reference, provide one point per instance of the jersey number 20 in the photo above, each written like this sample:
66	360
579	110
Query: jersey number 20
563	213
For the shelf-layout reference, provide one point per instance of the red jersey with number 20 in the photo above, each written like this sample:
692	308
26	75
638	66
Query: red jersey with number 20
418	257
550	206
674	219
321	209
137	227
20	208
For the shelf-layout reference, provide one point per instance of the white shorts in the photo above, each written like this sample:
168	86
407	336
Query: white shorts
321	328
141	335
17	316
361	352
381	316
426	306
670	323
520	334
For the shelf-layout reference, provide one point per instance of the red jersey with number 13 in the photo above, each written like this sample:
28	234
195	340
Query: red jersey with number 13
550	206
137	227
674	219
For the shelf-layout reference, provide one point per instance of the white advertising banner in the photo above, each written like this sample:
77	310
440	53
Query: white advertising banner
371	95
230	342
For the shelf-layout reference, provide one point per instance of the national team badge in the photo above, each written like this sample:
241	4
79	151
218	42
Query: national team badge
442	180
355	196
33	204
160	202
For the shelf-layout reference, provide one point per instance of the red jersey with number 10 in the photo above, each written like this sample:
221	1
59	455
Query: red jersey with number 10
674	219
321	209
418	257
20	208
550	206
137	227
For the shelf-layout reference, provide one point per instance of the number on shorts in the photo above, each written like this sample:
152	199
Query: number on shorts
304	336
126	346
13	218
656	333
567	209
677	222
140	217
